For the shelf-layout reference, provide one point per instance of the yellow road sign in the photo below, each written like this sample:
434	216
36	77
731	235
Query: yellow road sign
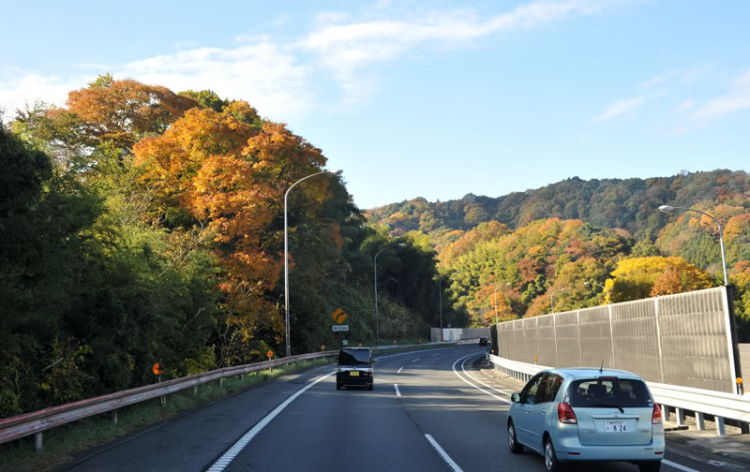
339	316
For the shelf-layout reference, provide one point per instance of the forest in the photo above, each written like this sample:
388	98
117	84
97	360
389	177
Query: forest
140	225
577	244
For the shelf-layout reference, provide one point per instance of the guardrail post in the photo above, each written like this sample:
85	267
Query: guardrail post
114	416
720	430
680	416
221	382
699	421
195	390
665	412
38	441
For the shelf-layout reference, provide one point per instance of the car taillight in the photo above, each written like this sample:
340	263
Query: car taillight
565	414
656	418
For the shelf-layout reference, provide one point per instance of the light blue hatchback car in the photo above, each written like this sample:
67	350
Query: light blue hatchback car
586	414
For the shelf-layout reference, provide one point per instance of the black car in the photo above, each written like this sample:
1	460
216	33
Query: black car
355	368
484	341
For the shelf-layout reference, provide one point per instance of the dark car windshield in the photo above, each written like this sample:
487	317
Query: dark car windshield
355	356
608	392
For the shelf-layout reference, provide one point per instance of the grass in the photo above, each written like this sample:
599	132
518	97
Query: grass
62	443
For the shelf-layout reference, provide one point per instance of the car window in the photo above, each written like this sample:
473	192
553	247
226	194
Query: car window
355	356
548	388
529	393
610	391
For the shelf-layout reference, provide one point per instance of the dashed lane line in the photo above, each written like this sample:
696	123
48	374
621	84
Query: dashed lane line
399	370
451	463
398	392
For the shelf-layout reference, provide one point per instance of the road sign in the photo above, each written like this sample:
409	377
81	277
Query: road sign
340	328
157	369
339	316
345	342
269	354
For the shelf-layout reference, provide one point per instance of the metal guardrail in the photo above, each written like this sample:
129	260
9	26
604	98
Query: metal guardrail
709	402
17	427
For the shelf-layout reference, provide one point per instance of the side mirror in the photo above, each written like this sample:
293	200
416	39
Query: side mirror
516	398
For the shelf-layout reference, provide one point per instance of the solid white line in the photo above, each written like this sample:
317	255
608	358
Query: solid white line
398	393
415	360
443	454
477	380
677	466
478	388
234	451
399	370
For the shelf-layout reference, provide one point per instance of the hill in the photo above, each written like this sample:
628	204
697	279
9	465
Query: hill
630	204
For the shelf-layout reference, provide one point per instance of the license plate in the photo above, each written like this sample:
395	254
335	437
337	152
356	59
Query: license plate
615	426
353	373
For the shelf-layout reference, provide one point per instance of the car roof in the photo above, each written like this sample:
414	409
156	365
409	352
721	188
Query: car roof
592	372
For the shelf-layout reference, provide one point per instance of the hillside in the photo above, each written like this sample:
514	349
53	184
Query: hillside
609	203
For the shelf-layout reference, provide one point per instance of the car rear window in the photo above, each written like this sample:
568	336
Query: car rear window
354	356
608	392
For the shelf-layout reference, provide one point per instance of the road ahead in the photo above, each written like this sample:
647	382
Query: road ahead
429	411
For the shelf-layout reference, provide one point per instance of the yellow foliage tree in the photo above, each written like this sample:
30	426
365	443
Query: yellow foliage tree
642	277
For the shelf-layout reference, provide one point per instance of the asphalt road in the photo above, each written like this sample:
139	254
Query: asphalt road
444	415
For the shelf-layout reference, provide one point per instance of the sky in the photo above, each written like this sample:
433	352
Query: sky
430	99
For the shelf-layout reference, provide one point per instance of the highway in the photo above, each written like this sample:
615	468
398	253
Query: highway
430	411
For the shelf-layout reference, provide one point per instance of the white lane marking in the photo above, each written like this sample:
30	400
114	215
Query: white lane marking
415	360
443	454
399	370
234	451
479	381
398	393
478	388
677	466
434	355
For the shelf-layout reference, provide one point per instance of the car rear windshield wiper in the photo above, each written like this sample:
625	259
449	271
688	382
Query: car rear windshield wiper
599	405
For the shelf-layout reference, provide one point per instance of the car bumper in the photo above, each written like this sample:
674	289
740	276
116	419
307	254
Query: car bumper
345	380
570	449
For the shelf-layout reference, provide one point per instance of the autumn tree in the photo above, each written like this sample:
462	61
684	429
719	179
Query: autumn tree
636	278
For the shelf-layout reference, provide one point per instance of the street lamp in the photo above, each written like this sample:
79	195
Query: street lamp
377	316
552	299
595	284
286	257
668	208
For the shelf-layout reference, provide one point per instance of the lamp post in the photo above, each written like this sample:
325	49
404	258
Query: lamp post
286	257
668	208
377	316
552	299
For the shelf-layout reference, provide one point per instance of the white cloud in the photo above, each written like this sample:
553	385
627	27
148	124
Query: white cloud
32	87
266	75
736	100
687	105
620	108
275	76
348	48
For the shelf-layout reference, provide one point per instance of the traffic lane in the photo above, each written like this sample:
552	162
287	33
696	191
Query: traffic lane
469	423
329	429
192	441
688	459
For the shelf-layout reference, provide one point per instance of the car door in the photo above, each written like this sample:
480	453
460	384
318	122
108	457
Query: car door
536	413
523	421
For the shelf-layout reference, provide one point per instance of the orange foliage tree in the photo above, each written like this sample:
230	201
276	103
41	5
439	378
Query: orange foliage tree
229	171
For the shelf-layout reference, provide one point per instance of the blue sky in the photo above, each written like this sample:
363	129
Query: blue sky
435	99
